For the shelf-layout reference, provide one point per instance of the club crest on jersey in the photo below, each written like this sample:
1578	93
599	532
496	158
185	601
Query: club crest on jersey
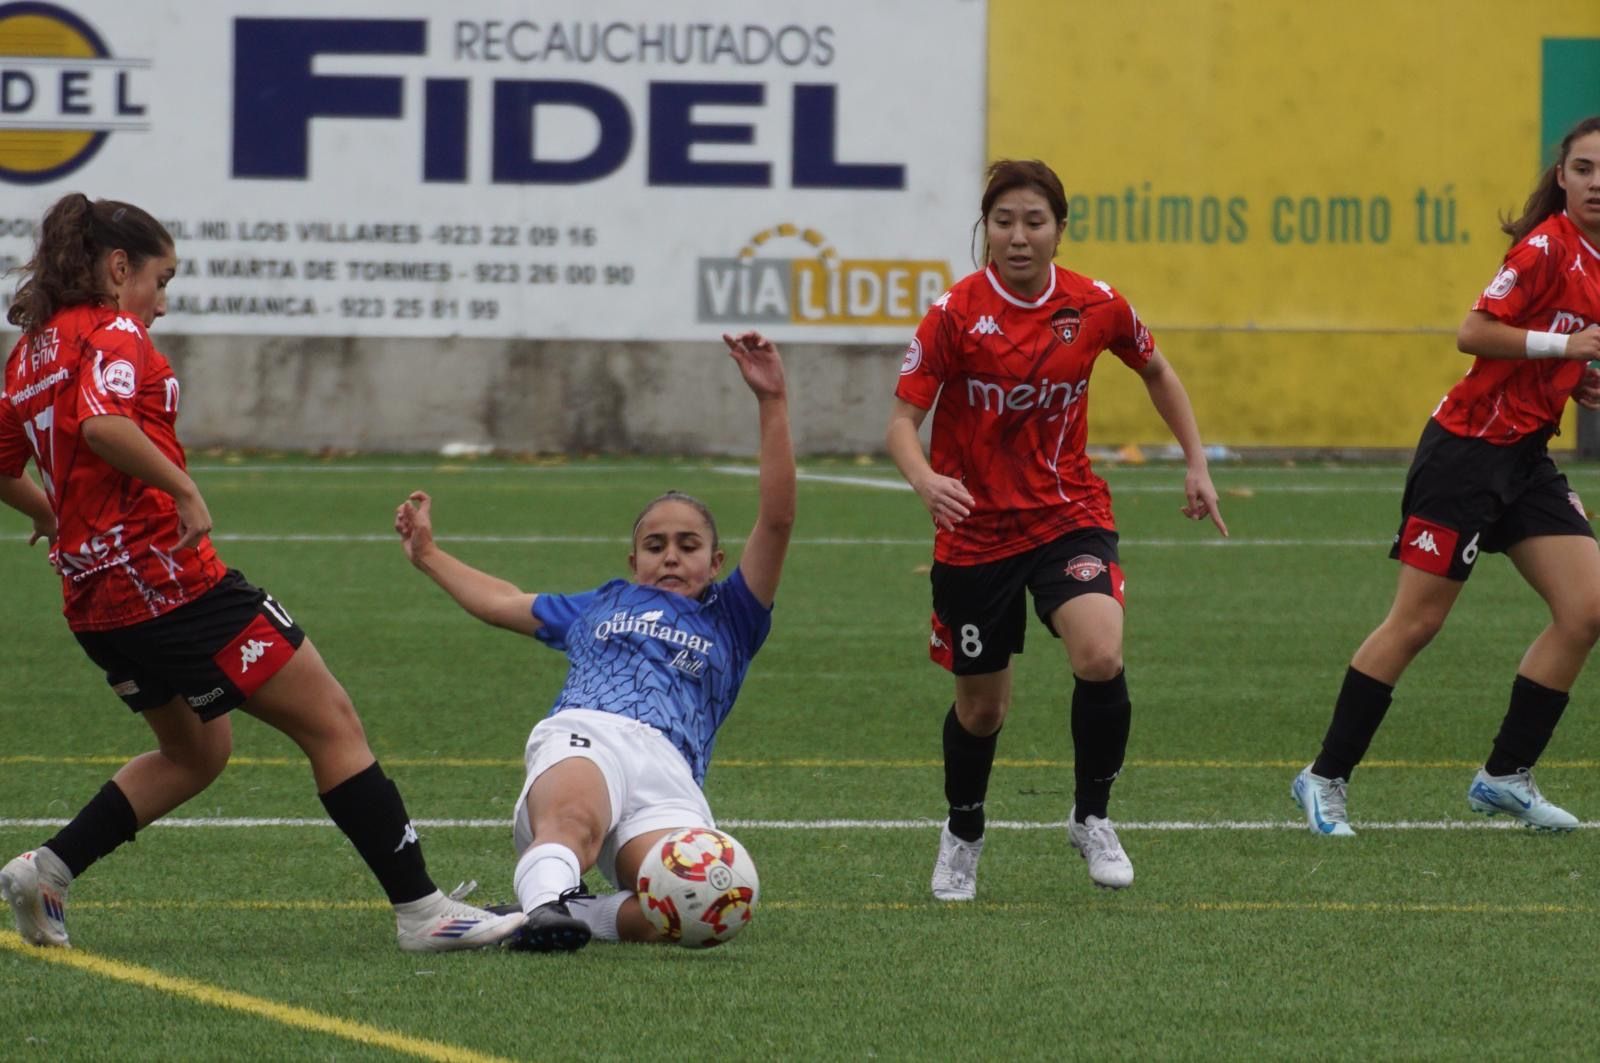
1064	323
1085	567
1502	284
913	357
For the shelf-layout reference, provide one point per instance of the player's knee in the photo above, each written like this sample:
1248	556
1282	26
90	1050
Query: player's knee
203	759
1415	631
1582	623
1098	663
981	716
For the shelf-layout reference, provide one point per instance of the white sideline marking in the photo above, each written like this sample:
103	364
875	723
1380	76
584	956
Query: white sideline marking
853	824
1176	487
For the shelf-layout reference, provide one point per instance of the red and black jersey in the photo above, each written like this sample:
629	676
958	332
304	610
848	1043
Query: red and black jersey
1011	378
116	550
1549	282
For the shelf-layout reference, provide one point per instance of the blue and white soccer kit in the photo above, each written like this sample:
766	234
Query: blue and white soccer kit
652	676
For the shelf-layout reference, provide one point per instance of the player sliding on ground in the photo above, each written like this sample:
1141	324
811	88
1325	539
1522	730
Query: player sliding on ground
655	666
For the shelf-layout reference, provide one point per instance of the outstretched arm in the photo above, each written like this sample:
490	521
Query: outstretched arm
1172	403
764	551
27	498
489	598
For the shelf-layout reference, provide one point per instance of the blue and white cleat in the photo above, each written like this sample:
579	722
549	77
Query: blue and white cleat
1323	803
1517	796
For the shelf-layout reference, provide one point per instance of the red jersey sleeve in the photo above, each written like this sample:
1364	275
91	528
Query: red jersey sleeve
1133	344
14	449
931	356
121	357
1528	274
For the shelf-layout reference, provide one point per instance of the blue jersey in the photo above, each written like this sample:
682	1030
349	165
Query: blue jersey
673	662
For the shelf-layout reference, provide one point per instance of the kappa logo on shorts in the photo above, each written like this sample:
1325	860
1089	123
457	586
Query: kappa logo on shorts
1085	567
254	656
1428	546
125	689
1577	504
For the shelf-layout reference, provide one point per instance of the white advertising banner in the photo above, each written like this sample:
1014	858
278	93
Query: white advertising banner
593	169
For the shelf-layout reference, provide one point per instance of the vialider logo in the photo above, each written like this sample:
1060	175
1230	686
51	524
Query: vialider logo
816	288
62	93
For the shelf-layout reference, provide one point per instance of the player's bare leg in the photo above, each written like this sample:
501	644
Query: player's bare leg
306	703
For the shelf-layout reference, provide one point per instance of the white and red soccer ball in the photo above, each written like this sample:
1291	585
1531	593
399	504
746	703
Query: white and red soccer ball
698	887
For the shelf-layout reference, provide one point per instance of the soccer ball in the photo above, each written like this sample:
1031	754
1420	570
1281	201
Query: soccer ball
698	887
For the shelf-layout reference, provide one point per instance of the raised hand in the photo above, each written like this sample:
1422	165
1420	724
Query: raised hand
759	363
413	521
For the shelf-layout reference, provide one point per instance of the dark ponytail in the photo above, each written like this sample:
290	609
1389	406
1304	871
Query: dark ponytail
75	234
1548	196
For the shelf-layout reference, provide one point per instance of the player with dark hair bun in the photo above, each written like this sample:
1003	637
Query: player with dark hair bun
1006	356
182	639
1482	481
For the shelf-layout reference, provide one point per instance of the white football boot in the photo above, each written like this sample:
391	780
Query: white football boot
1517	796
438	923
1322	800
955	872
36	884
1096	841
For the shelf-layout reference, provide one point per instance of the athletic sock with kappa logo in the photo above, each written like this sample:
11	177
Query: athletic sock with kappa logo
368	808
1102	715
968	759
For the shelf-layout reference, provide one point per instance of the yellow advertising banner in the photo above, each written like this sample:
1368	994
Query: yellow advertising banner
1303	200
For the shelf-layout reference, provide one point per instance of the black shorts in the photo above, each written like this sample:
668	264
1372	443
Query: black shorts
215	651
1464	496
979	615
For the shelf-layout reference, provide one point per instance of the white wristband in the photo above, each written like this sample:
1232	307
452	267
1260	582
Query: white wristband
1546	344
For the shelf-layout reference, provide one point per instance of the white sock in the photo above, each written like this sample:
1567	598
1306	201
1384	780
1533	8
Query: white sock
544	873
601	914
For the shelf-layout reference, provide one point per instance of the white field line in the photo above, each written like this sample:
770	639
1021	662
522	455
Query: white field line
884	483
211	822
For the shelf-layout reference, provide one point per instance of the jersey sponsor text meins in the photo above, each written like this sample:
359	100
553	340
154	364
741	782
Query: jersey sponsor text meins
1010	377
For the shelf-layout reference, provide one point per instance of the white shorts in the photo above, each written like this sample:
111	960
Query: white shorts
646	777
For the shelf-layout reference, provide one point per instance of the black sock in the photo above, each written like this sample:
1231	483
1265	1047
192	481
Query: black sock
99	827
368	808
1362	704
967	761
1530	721
1101	716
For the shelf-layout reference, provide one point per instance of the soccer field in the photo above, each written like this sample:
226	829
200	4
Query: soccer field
248	928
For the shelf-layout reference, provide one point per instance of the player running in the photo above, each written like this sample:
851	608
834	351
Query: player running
1006	355
182	639
655	666
1482	481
